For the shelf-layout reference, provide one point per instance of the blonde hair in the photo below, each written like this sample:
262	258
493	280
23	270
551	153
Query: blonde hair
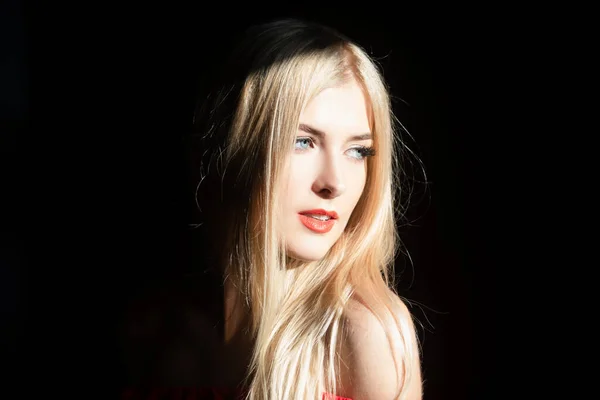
296	308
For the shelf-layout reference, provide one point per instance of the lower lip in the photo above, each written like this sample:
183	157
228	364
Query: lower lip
316	225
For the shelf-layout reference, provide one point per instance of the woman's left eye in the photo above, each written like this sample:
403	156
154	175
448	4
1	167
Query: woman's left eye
361	152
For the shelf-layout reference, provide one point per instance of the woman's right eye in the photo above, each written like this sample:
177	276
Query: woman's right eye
303	143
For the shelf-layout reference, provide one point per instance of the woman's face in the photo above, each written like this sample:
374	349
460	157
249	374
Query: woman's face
328	171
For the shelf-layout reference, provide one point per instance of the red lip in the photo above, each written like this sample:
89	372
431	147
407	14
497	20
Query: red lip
316	225
320	211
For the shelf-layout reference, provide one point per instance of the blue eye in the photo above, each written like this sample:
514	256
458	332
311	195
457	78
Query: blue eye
303	143
362	152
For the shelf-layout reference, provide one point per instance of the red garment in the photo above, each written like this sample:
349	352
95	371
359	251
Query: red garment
195	393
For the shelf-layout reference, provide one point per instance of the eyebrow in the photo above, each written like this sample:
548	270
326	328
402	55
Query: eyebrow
314	131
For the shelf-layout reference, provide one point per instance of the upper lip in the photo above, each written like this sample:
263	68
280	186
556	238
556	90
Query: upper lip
320	211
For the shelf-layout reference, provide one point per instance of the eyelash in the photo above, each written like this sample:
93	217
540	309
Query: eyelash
364	151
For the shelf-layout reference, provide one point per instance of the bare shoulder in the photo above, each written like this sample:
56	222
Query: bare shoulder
373	351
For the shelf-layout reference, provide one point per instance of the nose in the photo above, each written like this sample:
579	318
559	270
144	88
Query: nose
329	183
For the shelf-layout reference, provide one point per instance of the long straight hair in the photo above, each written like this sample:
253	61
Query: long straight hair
296	308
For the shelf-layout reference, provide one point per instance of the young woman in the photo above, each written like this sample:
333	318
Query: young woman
298	194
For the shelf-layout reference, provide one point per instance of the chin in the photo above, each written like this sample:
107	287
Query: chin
308	247
307	254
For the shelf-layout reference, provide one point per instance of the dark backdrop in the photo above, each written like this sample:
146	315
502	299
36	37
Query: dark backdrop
98	101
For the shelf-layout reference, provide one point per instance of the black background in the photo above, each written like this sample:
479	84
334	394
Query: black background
98	100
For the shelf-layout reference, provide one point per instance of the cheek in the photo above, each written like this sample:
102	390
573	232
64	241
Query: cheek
298	178
358	186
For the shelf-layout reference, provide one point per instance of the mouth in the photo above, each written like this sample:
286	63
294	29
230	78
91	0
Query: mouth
320	214
318	221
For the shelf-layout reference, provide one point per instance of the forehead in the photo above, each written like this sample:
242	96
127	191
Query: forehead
341	109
